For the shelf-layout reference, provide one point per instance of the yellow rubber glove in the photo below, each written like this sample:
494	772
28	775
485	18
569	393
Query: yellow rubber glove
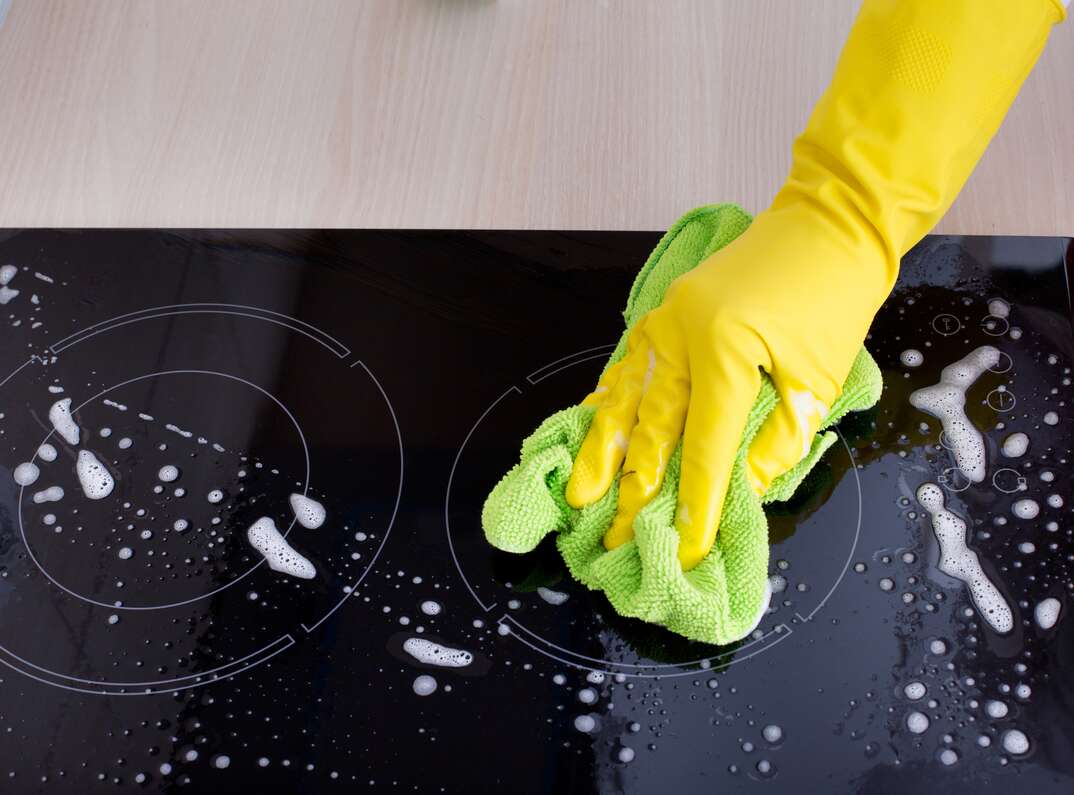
919	90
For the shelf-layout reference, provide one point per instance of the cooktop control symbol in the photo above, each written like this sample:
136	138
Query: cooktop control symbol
536	603
171	432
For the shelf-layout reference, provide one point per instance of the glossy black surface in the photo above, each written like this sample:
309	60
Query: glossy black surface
396	374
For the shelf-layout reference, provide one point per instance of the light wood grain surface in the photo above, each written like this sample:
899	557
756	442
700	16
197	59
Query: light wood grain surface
598	114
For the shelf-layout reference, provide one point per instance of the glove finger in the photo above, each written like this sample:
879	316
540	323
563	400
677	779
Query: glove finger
611	376
787	434
723	389
661	416
605	444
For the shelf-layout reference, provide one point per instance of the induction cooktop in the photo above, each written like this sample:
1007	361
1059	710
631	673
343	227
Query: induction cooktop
352	396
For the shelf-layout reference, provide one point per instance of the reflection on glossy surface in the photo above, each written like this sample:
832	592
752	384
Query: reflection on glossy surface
873	670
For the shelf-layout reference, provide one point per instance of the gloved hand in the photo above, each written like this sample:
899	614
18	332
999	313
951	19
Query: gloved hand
919	90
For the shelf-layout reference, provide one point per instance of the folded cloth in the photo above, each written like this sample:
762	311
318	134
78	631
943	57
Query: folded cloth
722	599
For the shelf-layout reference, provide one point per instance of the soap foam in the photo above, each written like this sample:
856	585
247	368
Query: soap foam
1015	742
997	307
1046	613
1026	509
917	722
96	480
309	513
552	597
425	685
46	452
168	473
996	709
961	562
266	539
946	401
26	473
1015	445
915	691
431	608
7	294
912	357
60	417
7	273
430	653
51	494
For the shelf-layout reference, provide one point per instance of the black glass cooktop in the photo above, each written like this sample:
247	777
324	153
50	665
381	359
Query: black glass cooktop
390	377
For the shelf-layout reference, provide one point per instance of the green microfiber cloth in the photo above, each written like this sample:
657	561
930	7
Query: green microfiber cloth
722	599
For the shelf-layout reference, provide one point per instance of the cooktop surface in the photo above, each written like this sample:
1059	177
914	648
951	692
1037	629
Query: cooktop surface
240	545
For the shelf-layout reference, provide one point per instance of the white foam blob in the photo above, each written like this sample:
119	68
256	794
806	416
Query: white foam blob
46	452
280	556
772	733
552	597
1051	418
7	273
431	608
626	755
6	294
125	553
168	473
125	443
215	496
948	756
178	430
997	307
51	494
1046	613
946	401
1027	548
959	561
26	473
914	691
1015	742
996	709
917	722
938	647
1055	501
179	525
431	653
912	357
425	685
1015	445
1026	509
309	513
585	723
96	480
60	417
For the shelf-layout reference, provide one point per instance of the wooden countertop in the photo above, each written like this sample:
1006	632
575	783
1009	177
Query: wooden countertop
596	114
